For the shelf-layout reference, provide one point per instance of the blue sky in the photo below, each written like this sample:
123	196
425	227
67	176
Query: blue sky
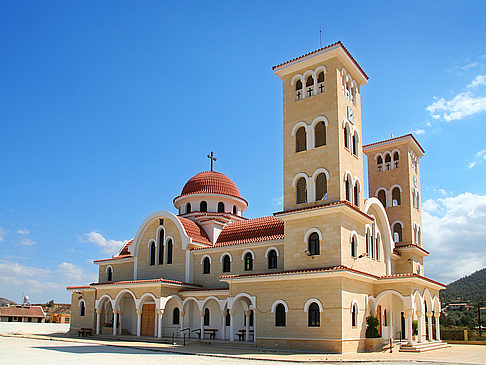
108	108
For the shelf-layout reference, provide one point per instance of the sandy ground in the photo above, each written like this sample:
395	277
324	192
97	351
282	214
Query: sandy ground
40	350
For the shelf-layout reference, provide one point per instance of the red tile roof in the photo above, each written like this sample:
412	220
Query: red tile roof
124	250
78	287
249	231
409	275
195	231
321	49
210	182
22	311
341	202
413	245
203	289
395	138
147	281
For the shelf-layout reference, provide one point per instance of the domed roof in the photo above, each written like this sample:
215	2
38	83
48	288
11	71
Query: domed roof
211	182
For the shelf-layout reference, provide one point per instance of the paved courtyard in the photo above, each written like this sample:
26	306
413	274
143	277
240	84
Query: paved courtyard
39	350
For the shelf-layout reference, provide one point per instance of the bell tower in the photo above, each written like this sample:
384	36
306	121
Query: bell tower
323	161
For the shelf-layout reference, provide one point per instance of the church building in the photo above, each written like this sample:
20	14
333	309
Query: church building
306	277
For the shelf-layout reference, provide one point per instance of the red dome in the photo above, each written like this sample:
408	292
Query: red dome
211	182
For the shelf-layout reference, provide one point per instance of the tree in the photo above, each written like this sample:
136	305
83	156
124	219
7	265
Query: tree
371	329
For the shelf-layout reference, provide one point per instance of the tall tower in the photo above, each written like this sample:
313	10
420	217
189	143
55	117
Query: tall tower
394	178
323	162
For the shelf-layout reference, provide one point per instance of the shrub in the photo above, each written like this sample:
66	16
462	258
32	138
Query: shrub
371	329
415	327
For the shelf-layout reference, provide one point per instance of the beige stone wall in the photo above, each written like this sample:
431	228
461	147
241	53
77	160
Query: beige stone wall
89	319
121	271
260	262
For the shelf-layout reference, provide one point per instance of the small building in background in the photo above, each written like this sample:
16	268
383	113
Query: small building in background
22	313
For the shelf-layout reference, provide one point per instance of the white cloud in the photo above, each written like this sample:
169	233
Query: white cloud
419	131
108	246
3	233
470	65
23	231
27	242
70	271
278	202
461	106
478	81
479	157
454	231
9	268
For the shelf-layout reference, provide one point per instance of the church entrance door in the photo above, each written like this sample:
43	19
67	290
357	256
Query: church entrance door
148	320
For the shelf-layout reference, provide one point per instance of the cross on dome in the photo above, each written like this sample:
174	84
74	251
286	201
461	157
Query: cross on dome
212	158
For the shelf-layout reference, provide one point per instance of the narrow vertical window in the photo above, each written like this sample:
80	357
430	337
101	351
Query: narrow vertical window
206	266
354	315
280	315
161	246
300	140
353	247
82	308
301	191
314	316
176	316
206	317
356	194
382	197
346	136
321	187
169	251
396	158
220	207
367	238
348	189
320	134
313	244
272	259
397	232
109	274
388	164
320	83
379	163
188	208
248	261
298	90
152	253
309	86
377	249
203	207
396	199
355	144
234	210
226	263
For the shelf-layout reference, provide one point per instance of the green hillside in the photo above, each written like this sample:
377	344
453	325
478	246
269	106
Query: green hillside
470	289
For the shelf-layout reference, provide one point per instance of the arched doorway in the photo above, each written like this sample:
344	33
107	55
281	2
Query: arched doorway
242	319
389	307
148	320
125	303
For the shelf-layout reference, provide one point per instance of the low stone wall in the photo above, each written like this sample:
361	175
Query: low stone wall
33	328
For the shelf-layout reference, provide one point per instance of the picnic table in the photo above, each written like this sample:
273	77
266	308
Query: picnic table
85	332
211	332
242	334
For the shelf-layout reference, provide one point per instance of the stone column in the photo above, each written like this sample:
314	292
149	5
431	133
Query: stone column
247	325
98	314
115	320
120	313
437	326
156	322
223	324
429	325
420	320
231	334
408	326
139	321
201	313
160	313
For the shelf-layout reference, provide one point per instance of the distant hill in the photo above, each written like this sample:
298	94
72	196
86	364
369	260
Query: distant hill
470	289
5	301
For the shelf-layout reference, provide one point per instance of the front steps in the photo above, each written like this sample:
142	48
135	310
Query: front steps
423	346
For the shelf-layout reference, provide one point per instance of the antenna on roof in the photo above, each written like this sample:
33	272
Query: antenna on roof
320	37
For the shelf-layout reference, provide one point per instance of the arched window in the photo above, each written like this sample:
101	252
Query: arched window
309	86
161	247
321	187
320	82
169	251
82	308
418	200
109	274
356	194
355	144
348	189
203	207
188	208
377	247
396	158
206	317
280	315
313	244
346	136
301	191
396	197
206	266
300	140
220	207
379	163
382	197
354	247
226	263
397	232
176	315
367	239
320	134
314	316
248	261
152	253
385	318
419	236
272	259
234	210
387	162
298	90
354	316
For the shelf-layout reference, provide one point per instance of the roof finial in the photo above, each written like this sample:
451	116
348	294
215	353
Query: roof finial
320	37
212	158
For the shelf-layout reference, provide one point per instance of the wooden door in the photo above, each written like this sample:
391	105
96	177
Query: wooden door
378	315
148	320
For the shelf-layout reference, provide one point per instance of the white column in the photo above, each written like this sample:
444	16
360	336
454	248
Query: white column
120	313
139	321
437	326
231	334
429	325
420	321
156	323
160	313
223	324
115	320
98	321
181	314
247	326
201	313
254	325
408	327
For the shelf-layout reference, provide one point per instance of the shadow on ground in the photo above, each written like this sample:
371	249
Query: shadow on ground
100	349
